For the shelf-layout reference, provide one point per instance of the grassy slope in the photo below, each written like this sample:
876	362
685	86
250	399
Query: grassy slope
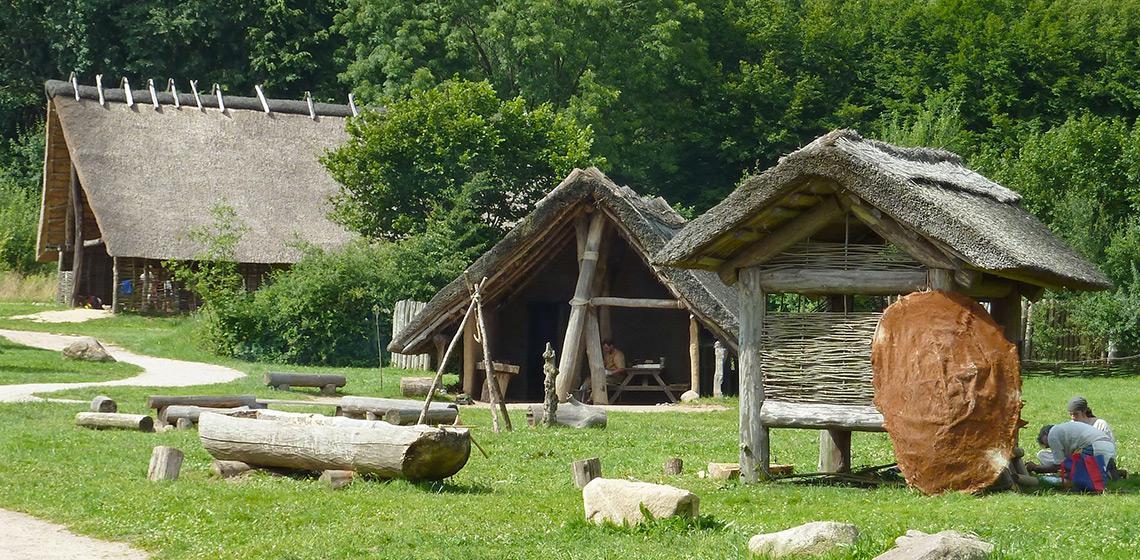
21	364
520	502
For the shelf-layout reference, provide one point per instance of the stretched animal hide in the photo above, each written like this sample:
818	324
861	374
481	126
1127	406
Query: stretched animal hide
948	384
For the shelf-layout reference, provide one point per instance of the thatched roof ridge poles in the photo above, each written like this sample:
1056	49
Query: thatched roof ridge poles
352	105
153	94
218	94
125	84
261	97
75	85
197	95
309	102
98	86
173	91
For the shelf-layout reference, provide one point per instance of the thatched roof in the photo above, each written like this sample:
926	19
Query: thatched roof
927	190
647	223
151	174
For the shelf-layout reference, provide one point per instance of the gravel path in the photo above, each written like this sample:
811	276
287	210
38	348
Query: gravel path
29	538
157	372
77	315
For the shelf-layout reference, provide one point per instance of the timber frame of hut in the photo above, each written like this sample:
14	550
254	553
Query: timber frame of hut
574	272
130	174
844	217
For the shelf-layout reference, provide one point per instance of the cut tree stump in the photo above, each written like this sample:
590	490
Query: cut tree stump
673	466
228	469
312	442
724	471
337	479
103	404
100	420
570	413
415	386
326	382
165	463
586	470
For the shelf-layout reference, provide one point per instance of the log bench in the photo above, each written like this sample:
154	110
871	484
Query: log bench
160	403
396	411
503	374
328	383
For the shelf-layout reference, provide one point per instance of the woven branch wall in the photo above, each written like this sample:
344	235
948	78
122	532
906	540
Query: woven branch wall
831	256
818	357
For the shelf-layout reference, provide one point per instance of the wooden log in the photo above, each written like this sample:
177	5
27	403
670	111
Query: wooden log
788	234
834	451
939	279
586	470
103	404
357	407
905	239
99	420
570	413
572	341
694	354
210	401
228	469
599	393
165	463
639	303
313	442
724	471
838	281
415	386
184	424
779	414
172	414
434	416
337	479
278	379
445	356
673	466
753	432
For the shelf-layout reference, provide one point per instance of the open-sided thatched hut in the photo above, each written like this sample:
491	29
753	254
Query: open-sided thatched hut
847	216
129	174
543	286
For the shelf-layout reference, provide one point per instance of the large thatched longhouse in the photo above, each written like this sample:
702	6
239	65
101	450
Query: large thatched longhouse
143	169
535	283
844	217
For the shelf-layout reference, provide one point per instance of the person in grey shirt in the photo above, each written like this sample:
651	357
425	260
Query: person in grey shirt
1073	437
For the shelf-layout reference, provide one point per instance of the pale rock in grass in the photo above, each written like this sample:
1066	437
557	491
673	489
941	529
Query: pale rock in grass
810	539
87	349
623	502
946	545
690	396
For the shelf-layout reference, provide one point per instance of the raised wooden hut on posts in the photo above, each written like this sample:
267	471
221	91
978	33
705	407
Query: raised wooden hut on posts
129	174
844	217
574	272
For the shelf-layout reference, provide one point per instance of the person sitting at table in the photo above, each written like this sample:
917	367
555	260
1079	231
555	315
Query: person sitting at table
613	360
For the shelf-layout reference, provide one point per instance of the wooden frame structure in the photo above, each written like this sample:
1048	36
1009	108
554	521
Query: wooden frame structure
847	217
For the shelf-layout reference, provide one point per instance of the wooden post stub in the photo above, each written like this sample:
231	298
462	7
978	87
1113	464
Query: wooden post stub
165	463
336	479
328	390
550	402
228	469
673	466
586	470
184	424
103	403
834	451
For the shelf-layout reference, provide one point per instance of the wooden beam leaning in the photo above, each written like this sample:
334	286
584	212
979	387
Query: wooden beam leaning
435	383
782	238
909	241
593	341
470	354
77	245
498	405
753	432
641	303
568	362
825	281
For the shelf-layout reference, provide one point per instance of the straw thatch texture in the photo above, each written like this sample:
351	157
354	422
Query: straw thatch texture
929	191
820	358
151	175
646	222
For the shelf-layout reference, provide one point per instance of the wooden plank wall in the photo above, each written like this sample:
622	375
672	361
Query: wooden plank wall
402	314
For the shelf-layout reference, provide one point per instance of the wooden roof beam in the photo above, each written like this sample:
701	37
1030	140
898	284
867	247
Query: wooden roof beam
910	242
781	239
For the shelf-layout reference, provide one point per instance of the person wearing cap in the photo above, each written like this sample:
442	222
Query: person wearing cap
1079	411
1075	440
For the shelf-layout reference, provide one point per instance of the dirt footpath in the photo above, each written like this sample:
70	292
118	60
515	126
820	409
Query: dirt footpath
29	538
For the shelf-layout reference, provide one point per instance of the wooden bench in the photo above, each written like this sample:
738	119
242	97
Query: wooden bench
326	382
503	374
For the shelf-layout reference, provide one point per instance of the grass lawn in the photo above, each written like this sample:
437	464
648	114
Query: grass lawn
521	503
21	364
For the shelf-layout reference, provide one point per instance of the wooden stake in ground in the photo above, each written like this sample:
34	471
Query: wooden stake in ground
673	466
443	362
103	404
165	463
586	470
550	401
500	413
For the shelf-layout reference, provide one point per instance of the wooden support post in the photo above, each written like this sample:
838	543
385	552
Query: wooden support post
498	405
77	246
673	466
165	463
586	470
1007	312
721	354
941	279
115	284
753	433
568	363
470	356
835	451
550	401
598	390
694	354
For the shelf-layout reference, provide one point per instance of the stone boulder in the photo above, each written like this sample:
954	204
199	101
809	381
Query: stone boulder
946	545
625	502
87	349
810	539
690	396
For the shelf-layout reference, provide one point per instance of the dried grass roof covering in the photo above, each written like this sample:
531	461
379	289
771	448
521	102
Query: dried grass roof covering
153	174
928	190
649	221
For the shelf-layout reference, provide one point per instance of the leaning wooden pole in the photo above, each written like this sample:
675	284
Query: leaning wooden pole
443	362
568	361
492	382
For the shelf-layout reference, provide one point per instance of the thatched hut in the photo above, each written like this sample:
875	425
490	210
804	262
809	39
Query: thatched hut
129	174
574	272
847	216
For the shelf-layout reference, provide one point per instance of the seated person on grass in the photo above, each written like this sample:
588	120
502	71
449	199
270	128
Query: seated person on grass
1079	411
1080	452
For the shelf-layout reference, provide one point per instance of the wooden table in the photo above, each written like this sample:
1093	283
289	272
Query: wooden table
650	377
503	374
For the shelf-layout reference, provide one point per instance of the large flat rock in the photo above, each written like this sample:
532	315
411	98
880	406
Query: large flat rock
625	502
